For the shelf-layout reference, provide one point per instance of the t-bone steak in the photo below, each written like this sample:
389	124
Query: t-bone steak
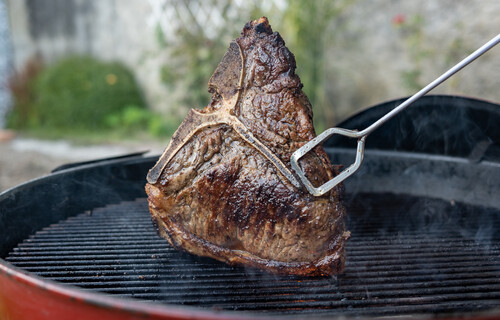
224	187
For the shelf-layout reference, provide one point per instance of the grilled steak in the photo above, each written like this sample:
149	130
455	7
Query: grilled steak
224	189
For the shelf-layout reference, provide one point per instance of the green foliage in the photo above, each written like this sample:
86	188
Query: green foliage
81	92
196	54
192	65
82	96
304	27
21	87
160	37
133	119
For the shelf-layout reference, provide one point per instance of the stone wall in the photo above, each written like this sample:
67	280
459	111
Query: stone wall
372	46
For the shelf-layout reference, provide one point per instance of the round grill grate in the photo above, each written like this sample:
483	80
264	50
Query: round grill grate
406	255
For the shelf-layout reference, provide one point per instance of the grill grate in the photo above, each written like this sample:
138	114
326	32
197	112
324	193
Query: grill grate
406	255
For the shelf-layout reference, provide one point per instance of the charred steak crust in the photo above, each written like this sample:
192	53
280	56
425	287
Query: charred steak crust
224	188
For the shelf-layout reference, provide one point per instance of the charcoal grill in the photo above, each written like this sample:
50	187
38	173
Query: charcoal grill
79	243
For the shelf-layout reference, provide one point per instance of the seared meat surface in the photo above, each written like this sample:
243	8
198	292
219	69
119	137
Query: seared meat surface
224	187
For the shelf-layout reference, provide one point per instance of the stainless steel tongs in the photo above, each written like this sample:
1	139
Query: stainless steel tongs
361	135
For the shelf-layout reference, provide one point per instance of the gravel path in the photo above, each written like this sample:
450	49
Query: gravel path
24	159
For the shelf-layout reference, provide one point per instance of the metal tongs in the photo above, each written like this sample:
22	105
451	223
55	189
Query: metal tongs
361	135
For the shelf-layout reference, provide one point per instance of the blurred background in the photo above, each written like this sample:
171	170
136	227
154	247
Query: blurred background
86	79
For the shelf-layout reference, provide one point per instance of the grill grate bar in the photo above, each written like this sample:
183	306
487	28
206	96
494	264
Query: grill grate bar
391	310
147	280
361	271
379	307
77	244
125	282
352	300
110	259
213	280
133	227
386	306
355	241
152	269
133	231
442	246
360	256
139	283
310	301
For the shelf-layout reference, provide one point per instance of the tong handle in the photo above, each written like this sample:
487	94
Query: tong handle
361	135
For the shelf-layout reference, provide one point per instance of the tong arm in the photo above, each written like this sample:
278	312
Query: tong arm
294	160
